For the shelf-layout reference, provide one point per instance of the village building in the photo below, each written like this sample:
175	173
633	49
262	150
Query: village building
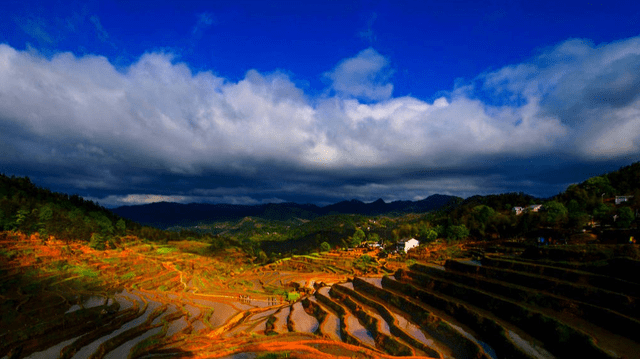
622	199
532	208
404	245
535	207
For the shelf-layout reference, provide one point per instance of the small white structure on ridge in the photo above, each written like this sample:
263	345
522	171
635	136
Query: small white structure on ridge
406	244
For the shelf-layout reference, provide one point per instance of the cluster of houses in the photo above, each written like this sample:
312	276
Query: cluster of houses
532	208
402	245
621	199
537	207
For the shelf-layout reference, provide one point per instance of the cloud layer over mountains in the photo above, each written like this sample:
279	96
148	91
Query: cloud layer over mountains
158	128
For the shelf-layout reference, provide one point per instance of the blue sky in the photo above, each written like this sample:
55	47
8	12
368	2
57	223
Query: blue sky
254	101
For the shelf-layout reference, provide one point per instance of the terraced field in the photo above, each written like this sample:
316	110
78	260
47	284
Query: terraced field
147	301
499	307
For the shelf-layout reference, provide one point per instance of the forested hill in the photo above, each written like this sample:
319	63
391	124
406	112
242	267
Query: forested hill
608	201
490	215
611	200
164	215
26	208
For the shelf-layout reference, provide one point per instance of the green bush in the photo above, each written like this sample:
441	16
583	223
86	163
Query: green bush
97	242
410	262
128	276
293	296
459	232
85	272
166	250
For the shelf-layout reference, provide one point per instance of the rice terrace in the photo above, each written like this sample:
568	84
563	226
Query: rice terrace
245	179
77	281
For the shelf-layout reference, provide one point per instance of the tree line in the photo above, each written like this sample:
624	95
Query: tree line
29	209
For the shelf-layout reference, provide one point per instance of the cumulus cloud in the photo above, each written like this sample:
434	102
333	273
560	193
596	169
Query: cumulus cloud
363	76
156	114
133	199
157	117
594	90
113	201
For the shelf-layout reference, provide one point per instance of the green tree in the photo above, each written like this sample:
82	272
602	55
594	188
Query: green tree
261	257
556	213
104	224
431	235
97	242
599	185
574	207
406	230
578	220
357	238
45	215
479	220
3	220
602	213
325	247
457	232
21	219
578	194
625	217
121	227
483	213
363	262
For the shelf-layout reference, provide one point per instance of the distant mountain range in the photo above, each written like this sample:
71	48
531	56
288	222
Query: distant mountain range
165	214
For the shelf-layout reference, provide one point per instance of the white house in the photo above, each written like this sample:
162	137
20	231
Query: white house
535	207
532	208
622	199
406	244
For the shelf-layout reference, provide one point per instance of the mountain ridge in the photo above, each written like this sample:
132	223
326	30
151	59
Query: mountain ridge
168	214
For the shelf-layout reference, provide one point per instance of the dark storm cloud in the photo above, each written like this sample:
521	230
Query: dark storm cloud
155	130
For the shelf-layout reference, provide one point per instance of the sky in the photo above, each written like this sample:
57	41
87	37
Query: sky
251	102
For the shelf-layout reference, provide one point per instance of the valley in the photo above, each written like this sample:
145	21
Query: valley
492	277
149	300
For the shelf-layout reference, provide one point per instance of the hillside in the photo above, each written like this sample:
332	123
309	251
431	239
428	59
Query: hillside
599	204
99	286
165	215
26	208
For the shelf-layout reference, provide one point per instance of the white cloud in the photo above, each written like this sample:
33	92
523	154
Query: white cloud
156	114
112	201
407	130
363	76
133	199
159	116
592	90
